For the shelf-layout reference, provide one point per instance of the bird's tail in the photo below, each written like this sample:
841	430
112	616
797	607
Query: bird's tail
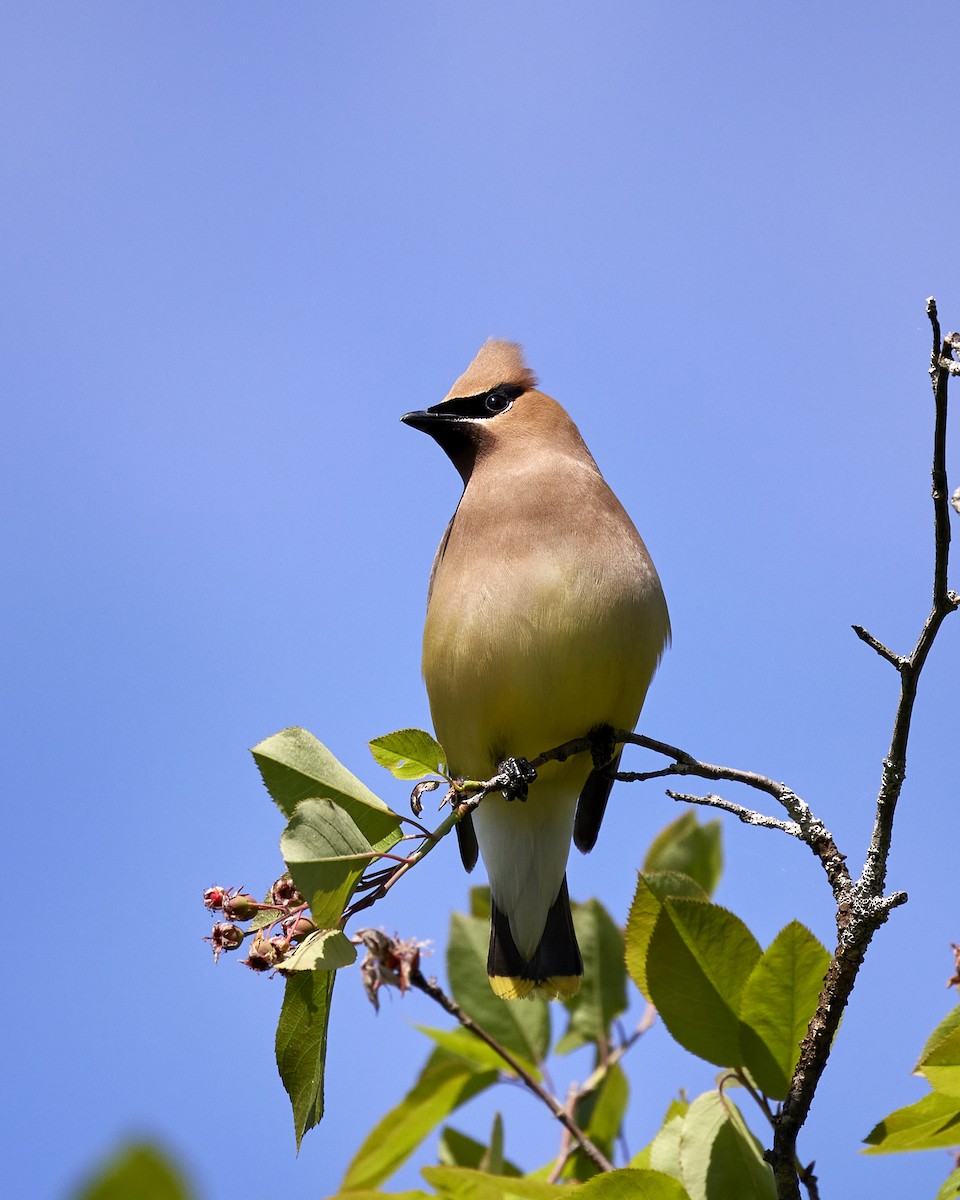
556	966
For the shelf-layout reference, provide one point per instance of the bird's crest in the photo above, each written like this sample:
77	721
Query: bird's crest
497	362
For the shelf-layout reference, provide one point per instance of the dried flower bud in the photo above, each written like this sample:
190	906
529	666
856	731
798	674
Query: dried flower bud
954	980
389	961
281	945
240	908
425	785
262	956
285	893
214	897
224	937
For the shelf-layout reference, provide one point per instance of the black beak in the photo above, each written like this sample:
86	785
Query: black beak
418	420
428	421
451	433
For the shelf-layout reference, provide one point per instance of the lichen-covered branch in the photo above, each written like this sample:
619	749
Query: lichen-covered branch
861	913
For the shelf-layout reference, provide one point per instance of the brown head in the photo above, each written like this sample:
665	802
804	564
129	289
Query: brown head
495	407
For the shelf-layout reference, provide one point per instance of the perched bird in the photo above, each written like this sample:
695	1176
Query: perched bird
545	622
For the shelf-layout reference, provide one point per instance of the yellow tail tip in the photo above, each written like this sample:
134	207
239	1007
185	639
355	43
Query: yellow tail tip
557	987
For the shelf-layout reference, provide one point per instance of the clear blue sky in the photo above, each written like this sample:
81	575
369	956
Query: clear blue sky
239	240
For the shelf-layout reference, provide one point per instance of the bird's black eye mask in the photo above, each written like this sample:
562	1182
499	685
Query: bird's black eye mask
487	404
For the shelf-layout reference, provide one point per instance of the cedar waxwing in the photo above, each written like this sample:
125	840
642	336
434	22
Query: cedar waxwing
545	622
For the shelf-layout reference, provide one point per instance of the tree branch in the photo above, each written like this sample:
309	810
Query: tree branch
746	815
862	911
803	824
431	988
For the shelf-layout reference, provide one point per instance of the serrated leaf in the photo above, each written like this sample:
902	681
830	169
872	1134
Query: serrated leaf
325	950
461	1183
301	1045
326	853
698	963
631	1184
689	848
409	754
266	916
137	1169
295	766
778	1001
444	1084
719	1156
946	1027
929	1124
522	1028
603	990
940	1060
652	891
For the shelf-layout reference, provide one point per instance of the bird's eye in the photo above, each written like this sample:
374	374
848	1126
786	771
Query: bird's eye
497	402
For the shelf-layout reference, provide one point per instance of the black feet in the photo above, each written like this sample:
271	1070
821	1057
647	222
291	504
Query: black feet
602	746
514	777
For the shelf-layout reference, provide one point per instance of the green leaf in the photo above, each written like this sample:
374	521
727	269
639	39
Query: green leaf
267	916
663	1153
458	1150
376	1194
940	1060
950	1188
778	1001
326	854
600	1115
603	990
467	1045
929	1124
652	891
461	1183
301	1045
687	847
325	950
494	1162
719	1156
698	963
631	1184
444	1084
946	1027
479	904
295	767
409	754
522	1028
455	1149
138	1169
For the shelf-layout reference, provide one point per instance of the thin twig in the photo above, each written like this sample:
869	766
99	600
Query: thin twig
566	1141
804	825
944	602
432	989
809	1181
746	815
884	651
